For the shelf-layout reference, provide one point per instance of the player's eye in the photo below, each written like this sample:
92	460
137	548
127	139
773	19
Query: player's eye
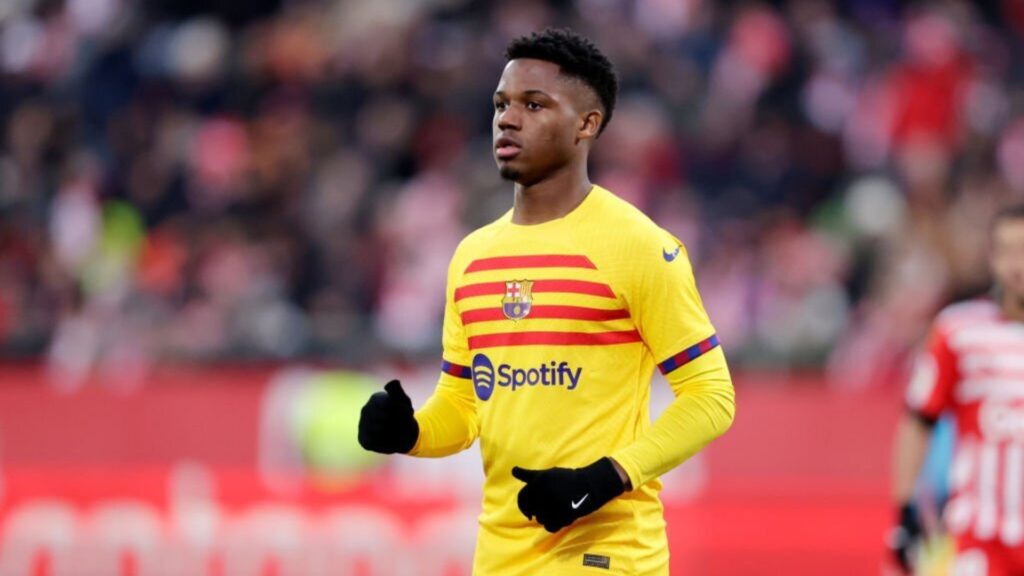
499	106
533	106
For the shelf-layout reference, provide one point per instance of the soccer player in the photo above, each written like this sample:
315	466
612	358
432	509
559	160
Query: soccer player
973	368
556	316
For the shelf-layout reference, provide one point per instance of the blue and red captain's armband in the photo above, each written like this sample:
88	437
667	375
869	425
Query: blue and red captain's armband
689	355
456	370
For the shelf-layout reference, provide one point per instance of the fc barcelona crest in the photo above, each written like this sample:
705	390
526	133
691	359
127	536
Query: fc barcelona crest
518	299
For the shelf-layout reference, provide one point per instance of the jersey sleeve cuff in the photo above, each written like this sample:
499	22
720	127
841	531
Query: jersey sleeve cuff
628	466
414	451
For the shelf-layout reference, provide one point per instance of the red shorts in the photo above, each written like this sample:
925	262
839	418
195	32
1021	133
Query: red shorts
987	558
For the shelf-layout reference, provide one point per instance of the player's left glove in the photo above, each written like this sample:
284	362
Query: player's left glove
905	537
557	497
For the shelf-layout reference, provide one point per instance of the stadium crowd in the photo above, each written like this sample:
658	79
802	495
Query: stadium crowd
288	179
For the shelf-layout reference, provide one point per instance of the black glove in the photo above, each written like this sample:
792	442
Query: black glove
386	424
906	536
558	496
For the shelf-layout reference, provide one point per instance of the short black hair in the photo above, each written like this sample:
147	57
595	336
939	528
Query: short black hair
576	56
1009	212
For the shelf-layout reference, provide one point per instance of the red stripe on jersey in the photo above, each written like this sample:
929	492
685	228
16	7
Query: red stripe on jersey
569	286
533	261
547	313
553	338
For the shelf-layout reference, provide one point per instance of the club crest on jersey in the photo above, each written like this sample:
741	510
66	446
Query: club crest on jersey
518	299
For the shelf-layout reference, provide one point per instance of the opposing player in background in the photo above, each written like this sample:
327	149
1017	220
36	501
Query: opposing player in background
556	316
973	367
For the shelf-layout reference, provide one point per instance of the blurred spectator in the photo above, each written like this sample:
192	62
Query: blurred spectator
191	182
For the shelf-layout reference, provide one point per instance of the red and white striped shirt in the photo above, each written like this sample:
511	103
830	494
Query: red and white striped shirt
974	366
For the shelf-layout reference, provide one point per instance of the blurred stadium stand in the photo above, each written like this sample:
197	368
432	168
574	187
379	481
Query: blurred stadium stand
288	180
199	198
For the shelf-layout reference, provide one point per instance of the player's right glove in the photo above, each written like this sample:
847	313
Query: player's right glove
905	537
386	424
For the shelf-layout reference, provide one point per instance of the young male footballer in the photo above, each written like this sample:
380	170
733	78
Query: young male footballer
556	316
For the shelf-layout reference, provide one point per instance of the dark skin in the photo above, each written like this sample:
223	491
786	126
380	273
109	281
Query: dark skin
549	122
544	125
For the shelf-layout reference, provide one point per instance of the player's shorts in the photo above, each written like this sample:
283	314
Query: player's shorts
986	558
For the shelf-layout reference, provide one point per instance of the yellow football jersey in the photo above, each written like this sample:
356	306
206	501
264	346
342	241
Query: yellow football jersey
551	335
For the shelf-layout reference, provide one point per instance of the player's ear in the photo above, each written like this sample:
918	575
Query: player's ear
590	125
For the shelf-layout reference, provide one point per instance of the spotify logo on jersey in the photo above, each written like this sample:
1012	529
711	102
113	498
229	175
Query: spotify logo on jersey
483	376
553	374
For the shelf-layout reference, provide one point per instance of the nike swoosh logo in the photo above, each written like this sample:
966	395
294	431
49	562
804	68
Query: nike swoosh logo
576	505
670	256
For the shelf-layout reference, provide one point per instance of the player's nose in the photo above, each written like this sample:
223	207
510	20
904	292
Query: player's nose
509	119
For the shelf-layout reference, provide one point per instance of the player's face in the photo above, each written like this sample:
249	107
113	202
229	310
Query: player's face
537	122
1008	256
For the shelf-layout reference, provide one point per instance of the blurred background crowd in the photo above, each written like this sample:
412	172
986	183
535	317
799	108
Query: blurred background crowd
286	179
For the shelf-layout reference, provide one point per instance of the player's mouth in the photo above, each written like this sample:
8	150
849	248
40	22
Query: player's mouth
506	148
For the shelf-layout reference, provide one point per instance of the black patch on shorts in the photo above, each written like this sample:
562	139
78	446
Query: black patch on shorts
597	561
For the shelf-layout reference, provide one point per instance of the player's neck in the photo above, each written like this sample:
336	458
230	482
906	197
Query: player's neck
551	198
1013	307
